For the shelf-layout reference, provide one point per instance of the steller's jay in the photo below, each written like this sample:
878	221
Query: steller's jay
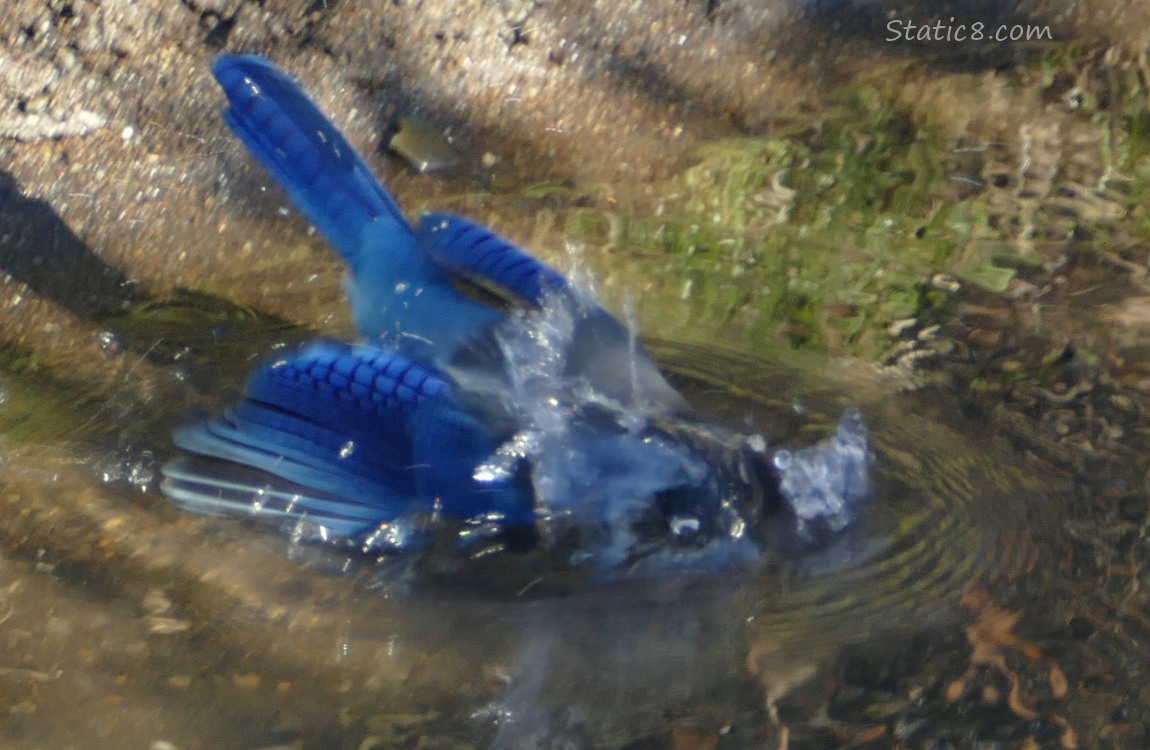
544	415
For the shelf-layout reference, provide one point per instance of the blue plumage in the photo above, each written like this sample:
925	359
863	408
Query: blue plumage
398	293
464	247
307	155
547	415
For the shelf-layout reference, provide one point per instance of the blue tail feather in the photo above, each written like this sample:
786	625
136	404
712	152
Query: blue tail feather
398	293
306	154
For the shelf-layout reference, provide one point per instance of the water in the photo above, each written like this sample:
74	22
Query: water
130	620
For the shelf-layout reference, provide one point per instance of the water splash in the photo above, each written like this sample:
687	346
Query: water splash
596	466
827	481
632	484
136	468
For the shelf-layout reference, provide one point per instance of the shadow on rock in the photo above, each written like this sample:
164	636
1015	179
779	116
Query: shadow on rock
38	249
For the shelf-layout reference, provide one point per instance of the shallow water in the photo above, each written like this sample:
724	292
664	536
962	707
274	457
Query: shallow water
129	620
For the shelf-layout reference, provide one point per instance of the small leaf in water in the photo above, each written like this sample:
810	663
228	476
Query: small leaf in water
424	148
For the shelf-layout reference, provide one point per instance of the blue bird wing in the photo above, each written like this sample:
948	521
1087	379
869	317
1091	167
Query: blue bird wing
211	486
603	351
306	153
466	248
345	437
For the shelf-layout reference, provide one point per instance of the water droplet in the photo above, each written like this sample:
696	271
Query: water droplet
109	342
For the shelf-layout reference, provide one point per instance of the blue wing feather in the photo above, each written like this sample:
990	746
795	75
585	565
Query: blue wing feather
216	487
602	350
463	246
362	435
306	154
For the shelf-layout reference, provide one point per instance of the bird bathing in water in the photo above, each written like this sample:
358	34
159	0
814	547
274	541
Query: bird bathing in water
543	419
